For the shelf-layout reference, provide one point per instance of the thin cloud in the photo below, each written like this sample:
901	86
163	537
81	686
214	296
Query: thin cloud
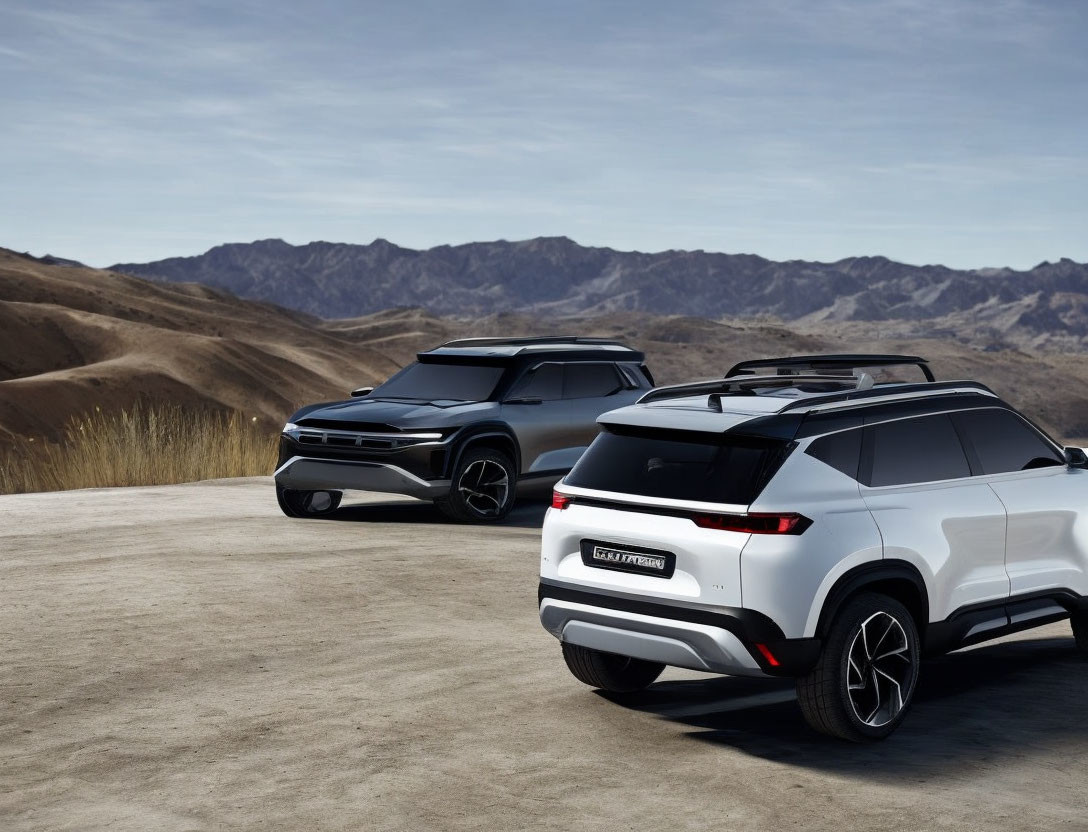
878	127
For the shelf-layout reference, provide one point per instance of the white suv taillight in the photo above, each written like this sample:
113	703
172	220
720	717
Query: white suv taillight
789	523
755	523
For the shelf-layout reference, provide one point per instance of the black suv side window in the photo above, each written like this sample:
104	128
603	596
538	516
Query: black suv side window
544	382
922	449
584	381
1003	442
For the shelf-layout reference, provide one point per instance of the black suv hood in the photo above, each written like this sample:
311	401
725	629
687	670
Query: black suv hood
382	414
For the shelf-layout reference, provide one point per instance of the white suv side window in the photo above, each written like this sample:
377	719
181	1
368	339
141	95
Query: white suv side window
921	449
1003	442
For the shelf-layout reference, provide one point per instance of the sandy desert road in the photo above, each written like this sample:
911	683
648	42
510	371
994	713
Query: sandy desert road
185	658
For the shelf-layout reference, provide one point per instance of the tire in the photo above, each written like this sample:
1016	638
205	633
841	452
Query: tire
1079	621
849	696
483	487
607	671
308	503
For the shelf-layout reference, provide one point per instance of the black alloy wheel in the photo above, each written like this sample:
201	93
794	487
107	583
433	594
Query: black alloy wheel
307	503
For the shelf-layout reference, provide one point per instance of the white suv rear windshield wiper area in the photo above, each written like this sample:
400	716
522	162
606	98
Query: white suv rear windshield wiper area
680	466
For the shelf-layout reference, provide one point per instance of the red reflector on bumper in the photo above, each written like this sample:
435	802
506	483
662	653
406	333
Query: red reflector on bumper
767	654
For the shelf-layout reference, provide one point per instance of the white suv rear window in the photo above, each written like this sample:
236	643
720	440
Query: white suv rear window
679	465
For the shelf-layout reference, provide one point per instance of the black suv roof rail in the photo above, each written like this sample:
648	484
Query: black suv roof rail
533	340
822	364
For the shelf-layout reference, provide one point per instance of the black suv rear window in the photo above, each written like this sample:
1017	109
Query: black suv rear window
679	465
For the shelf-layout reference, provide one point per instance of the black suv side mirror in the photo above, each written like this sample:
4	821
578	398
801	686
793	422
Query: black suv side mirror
1076	458
361	391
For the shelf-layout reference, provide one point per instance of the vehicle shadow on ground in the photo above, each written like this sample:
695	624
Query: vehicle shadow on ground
970	708
527	514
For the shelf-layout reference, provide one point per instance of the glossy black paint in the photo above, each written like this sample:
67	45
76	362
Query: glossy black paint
523	430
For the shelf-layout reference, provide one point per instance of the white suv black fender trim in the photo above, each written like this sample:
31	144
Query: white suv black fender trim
898	579
977	623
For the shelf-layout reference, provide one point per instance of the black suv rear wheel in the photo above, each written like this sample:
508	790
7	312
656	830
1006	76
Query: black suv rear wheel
483	487
607	671
308	503
864	682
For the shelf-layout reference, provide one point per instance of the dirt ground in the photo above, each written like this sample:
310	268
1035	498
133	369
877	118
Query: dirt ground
186	658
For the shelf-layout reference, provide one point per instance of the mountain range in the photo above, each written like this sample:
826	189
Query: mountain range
1046	306
73	339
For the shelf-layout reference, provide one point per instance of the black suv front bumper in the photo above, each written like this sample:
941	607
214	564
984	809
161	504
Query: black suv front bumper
416	470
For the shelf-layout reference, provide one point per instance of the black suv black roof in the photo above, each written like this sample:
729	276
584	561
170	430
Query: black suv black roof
562	347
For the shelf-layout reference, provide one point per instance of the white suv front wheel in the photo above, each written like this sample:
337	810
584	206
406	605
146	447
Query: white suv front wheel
864	682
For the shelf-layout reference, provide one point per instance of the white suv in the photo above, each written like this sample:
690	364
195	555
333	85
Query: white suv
827	521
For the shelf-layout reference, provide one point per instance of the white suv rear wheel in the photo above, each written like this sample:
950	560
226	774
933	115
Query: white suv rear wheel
864	682
607	671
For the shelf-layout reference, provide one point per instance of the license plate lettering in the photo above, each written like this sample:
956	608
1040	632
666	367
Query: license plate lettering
622	558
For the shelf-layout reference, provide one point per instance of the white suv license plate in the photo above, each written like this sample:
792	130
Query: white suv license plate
645	562
618	557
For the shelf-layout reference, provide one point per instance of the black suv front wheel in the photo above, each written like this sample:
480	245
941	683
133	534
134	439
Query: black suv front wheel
864	682
483	487
307	503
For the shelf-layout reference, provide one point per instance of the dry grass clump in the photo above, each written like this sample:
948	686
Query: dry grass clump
156	445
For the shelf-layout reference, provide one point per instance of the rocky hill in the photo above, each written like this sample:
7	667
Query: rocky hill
73	338
1046	306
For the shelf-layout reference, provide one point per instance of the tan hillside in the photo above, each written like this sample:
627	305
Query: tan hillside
75	338
72	339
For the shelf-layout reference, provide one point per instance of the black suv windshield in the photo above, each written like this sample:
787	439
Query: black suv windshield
679	465
436	382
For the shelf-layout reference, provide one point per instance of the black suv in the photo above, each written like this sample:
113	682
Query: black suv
461	426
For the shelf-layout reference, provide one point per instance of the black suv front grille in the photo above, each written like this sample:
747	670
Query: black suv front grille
345	440
341	441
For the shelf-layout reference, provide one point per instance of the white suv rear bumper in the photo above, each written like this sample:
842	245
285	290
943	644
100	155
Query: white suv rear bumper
671	642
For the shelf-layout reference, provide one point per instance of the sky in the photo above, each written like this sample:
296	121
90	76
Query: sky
929	131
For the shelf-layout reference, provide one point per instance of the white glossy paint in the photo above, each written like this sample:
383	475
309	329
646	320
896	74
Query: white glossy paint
1047	545
707	560
973	540
954	529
